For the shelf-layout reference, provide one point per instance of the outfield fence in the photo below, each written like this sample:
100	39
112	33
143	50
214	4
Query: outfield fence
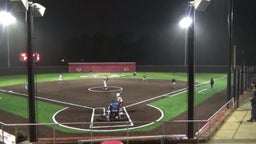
138	68
167	132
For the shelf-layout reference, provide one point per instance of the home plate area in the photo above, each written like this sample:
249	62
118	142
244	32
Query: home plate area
102	120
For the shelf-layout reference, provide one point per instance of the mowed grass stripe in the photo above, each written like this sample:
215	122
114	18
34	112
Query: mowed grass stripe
18	105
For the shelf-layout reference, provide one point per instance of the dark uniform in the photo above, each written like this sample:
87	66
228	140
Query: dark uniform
113	110
211	83
173	82
253	112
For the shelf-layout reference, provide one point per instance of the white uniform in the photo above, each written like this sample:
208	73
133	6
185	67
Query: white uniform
119	100
173	82
144	78
105	84
60	79
26	87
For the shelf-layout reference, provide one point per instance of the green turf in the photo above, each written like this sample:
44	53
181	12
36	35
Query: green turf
171	106
19	106
21	79
175	105
12	80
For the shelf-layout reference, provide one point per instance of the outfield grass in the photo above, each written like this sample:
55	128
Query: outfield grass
171	106
21	79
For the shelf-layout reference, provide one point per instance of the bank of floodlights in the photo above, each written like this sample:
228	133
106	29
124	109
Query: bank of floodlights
24	5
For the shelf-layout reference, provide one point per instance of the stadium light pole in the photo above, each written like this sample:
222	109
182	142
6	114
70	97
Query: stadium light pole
230	51
30	67
199	5
185	23
7	19
32	10
191	71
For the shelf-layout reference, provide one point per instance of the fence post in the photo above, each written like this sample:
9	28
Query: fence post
2	127
127	131
54	136
91	132
198	133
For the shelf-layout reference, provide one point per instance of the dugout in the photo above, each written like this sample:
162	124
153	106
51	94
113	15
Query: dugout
79	67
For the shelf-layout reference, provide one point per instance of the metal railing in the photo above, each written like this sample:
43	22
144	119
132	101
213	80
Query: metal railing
165	132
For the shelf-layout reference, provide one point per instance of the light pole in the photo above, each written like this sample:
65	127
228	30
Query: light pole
185	23
7	19
199	5
32	10
230	51
191	71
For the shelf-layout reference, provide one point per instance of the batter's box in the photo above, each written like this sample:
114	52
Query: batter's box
99	120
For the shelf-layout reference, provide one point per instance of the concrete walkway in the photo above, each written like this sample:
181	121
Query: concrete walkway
236	129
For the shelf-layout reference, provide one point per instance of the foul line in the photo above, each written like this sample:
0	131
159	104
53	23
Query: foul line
46	99
171	94
202	90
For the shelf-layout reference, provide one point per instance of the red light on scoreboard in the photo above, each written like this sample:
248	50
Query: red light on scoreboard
36	57
24	57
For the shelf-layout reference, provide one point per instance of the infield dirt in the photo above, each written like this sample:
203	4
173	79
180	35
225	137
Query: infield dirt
136	95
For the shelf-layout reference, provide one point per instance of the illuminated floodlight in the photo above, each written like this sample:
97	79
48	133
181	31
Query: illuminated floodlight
38	9
24	5
185	22
201	5
6	18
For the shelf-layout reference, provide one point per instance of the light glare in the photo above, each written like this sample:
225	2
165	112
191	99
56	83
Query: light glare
6	18
185	22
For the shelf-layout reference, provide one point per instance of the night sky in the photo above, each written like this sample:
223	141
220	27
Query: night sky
144	31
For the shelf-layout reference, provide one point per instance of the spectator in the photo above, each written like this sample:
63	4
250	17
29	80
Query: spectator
22	138
252	85
253	111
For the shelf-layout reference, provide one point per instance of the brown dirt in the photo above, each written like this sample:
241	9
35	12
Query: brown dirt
134	91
